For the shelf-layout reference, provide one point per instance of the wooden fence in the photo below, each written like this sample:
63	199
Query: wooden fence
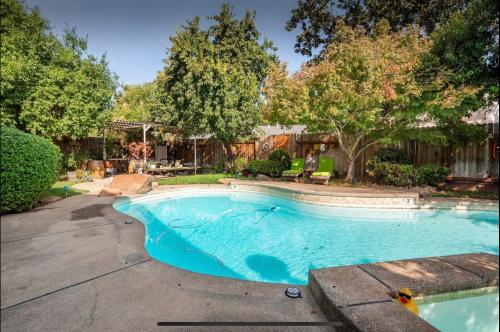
471	160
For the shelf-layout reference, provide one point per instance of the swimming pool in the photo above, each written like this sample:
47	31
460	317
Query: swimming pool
261	237
469	311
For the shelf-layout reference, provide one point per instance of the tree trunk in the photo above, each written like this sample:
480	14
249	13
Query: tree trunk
229	156
351	162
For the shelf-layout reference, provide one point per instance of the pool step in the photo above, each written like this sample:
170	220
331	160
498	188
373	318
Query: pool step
358	295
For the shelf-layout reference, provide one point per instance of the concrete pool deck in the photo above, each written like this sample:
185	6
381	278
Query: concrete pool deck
75	265
358	295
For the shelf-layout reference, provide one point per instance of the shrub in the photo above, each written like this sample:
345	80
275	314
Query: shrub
431	175
29	165
267	167
400	175
282	157
239	165
391	155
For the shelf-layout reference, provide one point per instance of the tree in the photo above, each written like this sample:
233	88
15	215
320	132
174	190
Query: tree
74	97
137	102
460	72
361	89
27	46
49	87
317	18
211	80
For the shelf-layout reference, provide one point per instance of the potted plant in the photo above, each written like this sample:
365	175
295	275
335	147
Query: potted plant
138	152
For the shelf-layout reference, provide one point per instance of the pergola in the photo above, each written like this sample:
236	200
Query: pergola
145	125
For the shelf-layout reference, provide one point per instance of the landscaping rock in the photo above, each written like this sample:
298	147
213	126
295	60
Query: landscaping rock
426	191
225	181
128	184
154	185
49	199
262	177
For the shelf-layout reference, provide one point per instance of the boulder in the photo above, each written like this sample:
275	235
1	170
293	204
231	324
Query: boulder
262	177
128	184
225	181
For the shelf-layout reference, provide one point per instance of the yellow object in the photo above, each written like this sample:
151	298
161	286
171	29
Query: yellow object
405	298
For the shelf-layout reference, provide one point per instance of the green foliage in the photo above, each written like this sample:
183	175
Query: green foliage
239	164
400	175
211	80
317	19
282	157
460	73
360	89
392	155
431	175
75	159
49	87
137	102
26	48
391	167
29	165
267	167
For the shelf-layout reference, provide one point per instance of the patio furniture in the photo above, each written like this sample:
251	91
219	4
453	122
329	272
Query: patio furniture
325	170
295	171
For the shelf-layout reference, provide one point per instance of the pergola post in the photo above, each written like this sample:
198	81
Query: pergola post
104	157
195	163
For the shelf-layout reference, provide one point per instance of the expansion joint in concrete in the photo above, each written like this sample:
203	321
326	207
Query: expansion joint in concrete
73	285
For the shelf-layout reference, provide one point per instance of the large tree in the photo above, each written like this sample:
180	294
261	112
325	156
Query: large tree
361	90
26	48
460	72
317	19
137	102
49	87
212	78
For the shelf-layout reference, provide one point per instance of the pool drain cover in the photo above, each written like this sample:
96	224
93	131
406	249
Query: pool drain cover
293	292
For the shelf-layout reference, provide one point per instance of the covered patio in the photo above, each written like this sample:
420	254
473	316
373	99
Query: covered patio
162	163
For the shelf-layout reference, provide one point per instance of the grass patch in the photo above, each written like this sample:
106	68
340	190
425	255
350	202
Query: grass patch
58	189
467	194
194	179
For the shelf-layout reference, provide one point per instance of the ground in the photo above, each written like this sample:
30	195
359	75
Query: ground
74	265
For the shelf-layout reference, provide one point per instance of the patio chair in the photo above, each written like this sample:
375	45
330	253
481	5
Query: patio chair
324	171
295	171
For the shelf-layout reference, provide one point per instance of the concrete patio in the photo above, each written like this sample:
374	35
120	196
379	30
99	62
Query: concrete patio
74	265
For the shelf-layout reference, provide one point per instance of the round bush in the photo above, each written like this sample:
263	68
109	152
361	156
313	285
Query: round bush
431	175
267	167
29	165
282	157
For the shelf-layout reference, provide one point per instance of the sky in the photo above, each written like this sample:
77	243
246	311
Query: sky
134	34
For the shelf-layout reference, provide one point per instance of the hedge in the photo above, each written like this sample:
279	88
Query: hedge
406	175
267	167
29	165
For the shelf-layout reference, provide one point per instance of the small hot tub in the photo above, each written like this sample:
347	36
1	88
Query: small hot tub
474	310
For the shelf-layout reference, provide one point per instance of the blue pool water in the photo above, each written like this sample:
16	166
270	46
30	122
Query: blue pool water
477	313
266	238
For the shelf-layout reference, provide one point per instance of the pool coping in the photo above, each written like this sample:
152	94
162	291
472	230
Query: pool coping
358	295
353	198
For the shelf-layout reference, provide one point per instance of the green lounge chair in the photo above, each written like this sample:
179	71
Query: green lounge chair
295	171
324	171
